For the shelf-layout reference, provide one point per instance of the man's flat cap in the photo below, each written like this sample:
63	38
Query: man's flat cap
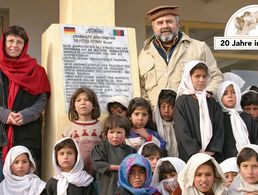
162	11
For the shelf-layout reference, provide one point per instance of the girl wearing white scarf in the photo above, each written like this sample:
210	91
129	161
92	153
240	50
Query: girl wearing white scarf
28	184
187	176
68	182
246	182
177	163
194	129
240	128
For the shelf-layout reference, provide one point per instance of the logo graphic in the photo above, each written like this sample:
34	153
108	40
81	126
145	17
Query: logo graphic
241	32
243	22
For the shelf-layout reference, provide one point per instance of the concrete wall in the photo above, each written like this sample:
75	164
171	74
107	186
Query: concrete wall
37	15
132	13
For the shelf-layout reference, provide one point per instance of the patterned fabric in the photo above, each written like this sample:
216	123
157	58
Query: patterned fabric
127	163
86	134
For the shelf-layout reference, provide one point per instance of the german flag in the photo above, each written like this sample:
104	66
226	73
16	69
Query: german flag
118	32
69	30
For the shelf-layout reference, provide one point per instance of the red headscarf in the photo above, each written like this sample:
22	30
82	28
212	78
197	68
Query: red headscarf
22	72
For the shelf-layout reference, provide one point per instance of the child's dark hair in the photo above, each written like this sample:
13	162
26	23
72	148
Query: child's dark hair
215	172
92	97
116	105
201	66
140	102
17	31
151	149
245	154
249	98
167	96
166	168
115	120
254	88
65	143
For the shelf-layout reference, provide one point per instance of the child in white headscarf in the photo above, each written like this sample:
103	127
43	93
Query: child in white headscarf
230	170
163	116
69	178
18	171
246	182
165	175
240	128
202	175
197	115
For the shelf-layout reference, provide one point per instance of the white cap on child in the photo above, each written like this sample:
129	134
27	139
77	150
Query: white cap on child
229	165
120	99
230	76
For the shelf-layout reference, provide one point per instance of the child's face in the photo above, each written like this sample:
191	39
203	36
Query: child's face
252	109
83	106
116	108
166	111
168	175
204	178
249	170
116	136
199	79
229	97
137	176
153	159
140	117
20	165
66	158
229	176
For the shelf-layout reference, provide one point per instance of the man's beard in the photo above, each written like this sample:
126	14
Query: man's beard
166	38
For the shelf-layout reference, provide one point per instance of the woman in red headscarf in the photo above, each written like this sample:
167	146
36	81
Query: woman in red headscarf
24	90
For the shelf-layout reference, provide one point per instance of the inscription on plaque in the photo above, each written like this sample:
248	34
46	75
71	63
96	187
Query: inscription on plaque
96	57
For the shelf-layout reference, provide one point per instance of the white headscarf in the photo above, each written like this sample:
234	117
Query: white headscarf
119	99
77	176
229	165
239	186
29	184
186	176
230	76
176	162
186	87
239	128
167	134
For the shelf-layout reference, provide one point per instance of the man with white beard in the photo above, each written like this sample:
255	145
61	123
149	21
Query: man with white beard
162	59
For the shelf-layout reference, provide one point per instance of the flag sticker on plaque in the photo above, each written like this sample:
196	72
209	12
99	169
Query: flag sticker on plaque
118	32
69	30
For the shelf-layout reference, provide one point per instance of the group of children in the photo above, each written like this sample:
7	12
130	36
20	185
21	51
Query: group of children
202	175
187	126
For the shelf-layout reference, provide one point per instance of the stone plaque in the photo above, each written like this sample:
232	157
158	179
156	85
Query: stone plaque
96	57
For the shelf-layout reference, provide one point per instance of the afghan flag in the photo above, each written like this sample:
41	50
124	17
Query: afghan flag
69	30
118	32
